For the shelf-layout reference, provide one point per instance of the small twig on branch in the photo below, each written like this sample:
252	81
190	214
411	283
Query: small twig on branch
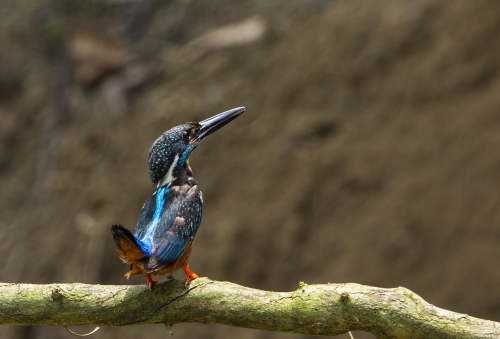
330	309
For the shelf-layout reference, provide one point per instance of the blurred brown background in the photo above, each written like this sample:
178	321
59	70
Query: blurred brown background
369	152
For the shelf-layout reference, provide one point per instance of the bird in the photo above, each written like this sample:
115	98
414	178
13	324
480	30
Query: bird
170	217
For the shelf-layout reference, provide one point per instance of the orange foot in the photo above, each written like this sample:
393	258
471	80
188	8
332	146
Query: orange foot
151	282
191	276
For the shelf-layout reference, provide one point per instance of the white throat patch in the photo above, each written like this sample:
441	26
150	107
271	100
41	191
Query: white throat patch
168	178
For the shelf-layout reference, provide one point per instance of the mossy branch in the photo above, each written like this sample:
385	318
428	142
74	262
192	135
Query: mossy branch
312	309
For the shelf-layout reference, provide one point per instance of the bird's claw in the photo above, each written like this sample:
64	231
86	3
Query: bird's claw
151	282
191	276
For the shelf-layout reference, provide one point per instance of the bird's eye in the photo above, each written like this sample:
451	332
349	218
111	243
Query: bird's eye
185	135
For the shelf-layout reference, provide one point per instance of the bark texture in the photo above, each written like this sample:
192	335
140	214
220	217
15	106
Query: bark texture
330	309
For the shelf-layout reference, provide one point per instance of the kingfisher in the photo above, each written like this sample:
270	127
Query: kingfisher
165	232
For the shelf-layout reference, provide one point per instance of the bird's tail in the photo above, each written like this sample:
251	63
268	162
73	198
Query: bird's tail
121	233
128	248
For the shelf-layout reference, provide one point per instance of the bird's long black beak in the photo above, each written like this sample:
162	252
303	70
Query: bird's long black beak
212	124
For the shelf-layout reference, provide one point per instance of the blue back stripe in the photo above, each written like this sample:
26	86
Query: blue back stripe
146	243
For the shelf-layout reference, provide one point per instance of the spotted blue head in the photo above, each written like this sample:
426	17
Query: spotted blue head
171	151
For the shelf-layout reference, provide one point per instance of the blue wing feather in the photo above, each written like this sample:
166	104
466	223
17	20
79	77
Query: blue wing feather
170	250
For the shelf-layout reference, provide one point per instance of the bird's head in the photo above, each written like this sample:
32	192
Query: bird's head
172	149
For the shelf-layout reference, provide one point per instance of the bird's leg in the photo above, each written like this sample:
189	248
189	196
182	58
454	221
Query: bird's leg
151	282
191	276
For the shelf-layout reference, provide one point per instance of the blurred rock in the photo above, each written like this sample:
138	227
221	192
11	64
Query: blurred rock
96	54
242	33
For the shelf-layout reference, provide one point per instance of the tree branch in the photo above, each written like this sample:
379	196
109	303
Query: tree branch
312	309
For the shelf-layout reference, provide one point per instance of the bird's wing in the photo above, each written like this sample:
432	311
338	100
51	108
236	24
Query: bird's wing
178	227
171	245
